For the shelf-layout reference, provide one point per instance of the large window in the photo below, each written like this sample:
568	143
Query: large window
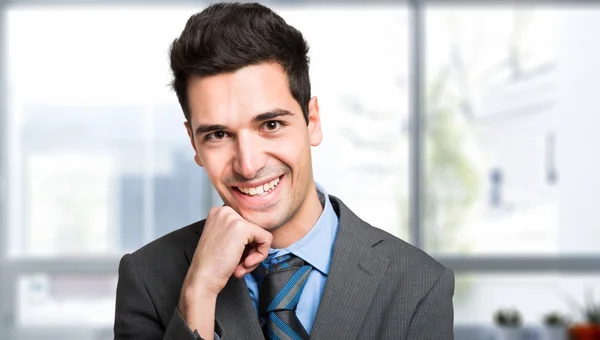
509	158
469	131
492	170
98	155
507	170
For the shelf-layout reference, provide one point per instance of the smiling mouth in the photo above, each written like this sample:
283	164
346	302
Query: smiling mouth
260	190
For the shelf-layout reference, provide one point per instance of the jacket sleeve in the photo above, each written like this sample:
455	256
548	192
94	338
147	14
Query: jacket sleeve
135	315
434	316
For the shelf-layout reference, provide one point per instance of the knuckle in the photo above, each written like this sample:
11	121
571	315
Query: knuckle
237	224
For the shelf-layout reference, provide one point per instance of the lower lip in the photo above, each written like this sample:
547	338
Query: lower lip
259	200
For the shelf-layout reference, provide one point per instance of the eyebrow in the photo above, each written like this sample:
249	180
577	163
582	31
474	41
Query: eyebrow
209	128
272	114
259	118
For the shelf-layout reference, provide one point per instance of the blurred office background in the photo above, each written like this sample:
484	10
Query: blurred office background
470	129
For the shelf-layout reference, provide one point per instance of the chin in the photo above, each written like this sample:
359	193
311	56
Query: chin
263	220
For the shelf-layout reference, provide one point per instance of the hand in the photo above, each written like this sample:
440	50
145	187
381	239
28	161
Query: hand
229	245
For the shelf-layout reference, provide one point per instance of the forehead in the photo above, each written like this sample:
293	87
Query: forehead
238	96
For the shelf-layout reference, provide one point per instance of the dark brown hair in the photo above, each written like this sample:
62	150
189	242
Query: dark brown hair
226	37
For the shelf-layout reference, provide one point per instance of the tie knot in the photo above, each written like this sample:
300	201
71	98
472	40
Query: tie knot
272	263
284	262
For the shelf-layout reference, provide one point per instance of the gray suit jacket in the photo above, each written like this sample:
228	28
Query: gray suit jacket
378	287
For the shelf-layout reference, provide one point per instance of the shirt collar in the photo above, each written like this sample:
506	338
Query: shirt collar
316	247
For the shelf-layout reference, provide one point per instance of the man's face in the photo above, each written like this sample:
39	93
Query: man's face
251	137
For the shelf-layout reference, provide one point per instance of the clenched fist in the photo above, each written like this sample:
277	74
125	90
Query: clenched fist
229	245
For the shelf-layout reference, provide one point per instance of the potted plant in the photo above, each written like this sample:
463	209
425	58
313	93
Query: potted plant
556	326
509	321
590	328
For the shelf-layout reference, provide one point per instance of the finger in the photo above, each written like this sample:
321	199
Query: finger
247	251
262	239
240	271
254	258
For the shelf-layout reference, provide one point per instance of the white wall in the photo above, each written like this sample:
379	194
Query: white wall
578	121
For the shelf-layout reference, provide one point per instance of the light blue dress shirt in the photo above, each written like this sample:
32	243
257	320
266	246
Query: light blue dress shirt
315	248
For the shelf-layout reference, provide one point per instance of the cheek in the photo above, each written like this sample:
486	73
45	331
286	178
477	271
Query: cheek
295	155
213	173
214	164
294	146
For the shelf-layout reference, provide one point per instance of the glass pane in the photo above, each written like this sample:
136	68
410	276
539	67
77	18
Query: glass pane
510	130
99	159
58	300
479	296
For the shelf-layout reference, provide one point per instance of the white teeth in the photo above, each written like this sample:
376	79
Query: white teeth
261	189
274	183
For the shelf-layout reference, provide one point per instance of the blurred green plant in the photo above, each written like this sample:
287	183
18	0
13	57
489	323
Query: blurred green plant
589	311
592	314
508	318
451	178
555	319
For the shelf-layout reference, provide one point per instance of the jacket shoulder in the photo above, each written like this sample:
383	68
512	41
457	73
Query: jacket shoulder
401	255
160	267
405	256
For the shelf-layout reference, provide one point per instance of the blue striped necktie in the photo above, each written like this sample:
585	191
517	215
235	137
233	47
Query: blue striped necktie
279	292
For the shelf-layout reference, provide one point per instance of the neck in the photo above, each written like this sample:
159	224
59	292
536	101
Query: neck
301	223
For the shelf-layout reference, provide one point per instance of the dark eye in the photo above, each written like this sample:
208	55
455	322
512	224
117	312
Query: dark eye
272	125
216	135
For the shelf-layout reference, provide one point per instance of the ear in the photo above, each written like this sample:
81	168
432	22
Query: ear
190	133
314	122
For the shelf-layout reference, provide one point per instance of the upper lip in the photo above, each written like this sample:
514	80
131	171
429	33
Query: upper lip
253	185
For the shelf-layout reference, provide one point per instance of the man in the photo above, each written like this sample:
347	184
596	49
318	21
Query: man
281	259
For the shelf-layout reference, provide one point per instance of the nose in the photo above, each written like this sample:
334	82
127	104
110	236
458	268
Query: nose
250	156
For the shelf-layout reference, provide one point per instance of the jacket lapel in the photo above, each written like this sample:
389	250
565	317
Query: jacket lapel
235	312
355	273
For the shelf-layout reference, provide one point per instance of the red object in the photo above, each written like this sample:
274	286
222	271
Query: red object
584	332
